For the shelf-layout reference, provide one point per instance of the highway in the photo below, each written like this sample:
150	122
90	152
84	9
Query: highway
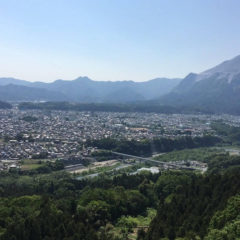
75	167
155	161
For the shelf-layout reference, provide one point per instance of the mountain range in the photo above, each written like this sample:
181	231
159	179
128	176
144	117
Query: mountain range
215	90
85	90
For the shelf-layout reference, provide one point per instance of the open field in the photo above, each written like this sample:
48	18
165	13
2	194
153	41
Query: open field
31	164
195	154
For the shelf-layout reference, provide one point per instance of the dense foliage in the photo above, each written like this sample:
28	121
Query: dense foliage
29	119
229	133
189	205
225	224
58	207
66	106
142	106
147	147
5	105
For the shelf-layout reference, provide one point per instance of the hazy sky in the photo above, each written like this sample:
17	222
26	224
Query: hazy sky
44	40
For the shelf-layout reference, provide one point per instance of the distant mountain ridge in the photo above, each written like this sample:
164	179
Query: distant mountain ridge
7	81
215	90
228	70
85	90
12	92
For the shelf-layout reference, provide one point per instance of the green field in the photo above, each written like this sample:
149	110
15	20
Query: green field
31	164
195	154
236	147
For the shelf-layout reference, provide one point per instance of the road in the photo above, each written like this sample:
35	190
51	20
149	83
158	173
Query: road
155	161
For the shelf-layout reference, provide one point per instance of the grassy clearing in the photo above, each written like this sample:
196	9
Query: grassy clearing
236	147
31	164
195	154
28	167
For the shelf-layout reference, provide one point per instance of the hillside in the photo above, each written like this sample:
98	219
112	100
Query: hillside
13	92
86	90
5	105
215	90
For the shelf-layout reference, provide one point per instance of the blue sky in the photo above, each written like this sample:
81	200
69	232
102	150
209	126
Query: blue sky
45	40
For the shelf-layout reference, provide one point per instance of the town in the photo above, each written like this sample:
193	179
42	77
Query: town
52	135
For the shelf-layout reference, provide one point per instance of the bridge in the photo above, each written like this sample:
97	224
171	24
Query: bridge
155	161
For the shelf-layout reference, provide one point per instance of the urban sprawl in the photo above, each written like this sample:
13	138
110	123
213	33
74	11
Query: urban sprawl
64	135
